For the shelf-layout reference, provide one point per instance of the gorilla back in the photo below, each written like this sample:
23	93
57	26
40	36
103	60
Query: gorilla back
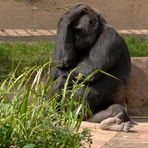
87	42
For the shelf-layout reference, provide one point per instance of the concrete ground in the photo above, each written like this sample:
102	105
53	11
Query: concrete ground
136	138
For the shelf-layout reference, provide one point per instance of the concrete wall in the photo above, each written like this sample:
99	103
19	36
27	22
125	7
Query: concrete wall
122	14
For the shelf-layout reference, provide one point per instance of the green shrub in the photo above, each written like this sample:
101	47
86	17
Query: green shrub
31	116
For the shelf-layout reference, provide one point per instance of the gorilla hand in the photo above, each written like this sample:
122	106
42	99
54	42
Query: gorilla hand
74	13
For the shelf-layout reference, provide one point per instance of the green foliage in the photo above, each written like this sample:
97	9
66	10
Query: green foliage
27	55
138	46
31	116
37	53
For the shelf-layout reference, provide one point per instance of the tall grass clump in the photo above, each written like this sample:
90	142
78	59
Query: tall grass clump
31	116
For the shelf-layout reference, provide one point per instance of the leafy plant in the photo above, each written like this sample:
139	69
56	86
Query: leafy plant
32	116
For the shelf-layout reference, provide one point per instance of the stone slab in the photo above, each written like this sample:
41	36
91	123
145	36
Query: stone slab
45	34
99	137
137	97
137	138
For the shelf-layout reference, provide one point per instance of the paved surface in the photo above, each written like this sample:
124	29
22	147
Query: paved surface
41	34
27	34
136	138
99	137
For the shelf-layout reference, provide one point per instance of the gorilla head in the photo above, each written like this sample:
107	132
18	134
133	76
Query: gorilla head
85	30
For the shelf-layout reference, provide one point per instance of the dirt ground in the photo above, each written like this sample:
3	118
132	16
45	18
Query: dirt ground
44	14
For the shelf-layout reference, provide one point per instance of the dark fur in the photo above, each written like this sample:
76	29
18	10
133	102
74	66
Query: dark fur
86	41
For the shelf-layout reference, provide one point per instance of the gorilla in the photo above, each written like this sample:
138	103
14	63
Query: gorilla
86	41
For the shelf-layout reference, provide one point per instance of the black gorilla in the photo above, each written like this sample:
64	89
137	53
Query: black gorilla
86	41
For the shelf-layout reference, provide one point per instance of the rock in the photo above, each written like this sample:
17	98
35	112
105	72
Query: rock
137	98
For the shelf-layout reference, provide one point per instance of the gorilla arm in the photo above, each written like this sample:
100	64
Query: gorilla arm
65	55
104	55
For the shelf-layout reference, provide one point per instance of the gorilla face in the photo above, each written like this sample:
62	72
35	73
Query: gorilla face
85	32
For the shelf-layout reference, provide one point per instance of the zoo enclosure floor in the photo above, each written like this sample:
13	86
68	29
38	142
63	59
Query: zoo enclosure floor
136	138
